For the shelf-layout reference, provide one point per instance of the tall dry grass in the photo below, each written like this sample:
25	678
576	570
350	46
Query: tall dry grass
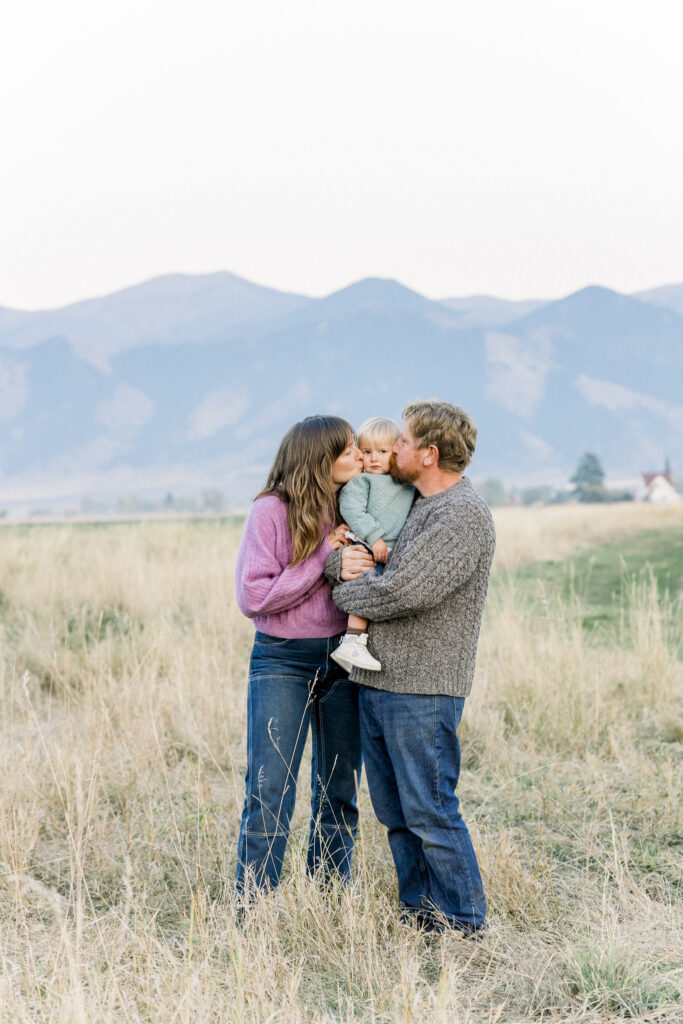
554	532
123	674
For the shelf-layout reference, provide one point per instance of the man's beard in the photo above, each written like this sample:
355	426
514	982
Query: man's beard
401	476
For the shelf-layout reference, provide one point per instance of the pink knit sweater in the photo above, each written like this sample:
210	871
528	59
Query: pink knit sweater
283	600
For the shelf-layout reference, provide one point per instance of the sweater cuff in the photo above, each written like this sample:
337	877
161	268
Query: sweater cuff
333	567
373	536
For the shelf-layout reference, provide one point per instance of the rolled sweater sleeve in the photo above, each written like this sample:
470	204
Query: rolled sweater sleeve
438	561
265	583
353	505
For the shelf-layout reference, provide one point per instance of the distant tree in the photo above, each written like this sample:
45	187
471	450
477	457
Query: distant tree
589	479
589	471
537	495
493	492
213	501
186	504
129	504
169	501
89	507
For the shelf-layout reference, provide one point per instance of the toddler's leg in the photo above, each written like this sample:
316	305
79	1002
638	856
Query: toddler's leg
353	649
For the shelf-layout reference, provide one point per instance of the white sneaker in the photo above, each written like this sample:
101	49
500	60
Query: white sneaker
353	653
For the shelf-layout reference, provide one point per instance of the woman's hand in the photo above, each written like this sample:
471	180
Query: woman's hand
336	539
380	551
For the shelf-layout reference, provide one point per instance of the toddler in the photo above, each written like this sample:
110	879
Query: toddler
375	507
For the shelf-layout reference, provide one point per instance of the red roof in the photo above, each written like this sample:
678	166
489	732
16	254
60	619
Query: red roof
649	477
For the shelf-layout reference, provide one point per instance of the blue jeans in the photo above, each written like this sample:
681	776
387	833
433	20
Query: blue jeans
412	760
294	684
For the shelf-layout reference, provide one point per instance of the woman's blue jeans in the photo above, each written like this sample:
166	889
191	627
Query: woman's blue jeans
294	684
412	761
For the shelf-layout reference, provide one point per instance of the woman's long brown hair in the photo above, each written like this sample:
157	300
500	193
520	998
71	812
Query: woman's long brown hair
301	476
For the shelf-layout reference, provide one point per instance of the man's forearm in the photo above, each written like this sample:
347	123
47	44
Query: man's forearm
333	567
419	577
355	597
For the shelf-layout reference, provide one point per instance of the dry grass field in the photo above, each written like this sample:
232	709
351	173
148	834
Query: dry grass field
123	675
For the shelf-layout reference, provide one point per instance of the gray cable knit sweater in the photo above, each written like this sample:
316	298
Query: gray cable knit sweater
425	611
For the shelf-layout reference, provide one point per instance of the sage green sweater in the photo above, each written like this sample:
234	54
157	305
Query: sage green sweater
375	505
425	611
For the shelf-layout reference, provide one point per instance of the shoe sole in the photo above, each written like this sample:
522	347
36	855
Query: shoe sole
366	668
348	665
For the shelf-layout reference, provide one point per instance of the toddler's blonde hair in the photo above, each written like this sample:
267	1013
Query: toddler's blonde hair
378	428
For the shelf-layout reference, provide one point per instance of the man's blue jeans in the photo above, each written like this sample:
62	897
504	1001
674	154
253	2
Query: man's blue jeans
294	684
412	760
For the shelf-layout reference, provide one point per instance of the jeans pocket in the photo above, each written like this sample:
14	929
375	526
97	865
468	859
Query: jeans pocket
332	689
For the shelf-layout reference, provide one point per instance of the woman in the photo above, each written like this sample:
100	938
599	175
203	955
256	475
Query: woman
292	680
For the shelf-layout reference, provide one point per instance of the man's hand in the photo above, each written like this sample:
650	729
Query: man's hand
380	551
355	560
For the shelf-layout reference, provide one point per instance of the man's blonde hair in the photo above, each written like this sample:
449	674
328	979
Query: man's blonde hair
448	427
378	428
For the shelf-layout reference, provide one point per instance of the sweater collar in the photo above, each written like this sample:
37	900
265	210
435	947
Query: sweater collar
433	499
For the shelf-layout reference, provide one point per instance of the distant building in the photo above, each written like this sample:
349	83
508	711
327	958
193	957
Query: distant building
658	487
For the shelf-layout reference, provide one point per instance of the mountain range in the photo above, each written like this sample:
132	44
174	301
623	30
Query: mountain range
186	382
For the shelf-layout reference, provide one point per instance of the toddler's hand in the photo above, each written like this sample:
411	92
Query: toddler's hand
380	551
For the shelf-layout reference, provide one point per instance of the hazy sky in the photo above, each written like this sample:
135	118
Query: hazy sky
517	147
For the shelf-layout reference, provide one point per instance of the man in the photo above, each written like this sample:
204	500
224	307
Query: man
425	613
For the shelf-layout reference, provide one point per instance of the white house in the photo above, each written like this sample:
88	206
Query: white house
657	487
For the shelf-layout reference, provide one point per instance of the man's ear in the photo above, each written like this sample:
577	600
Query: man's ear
431	456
